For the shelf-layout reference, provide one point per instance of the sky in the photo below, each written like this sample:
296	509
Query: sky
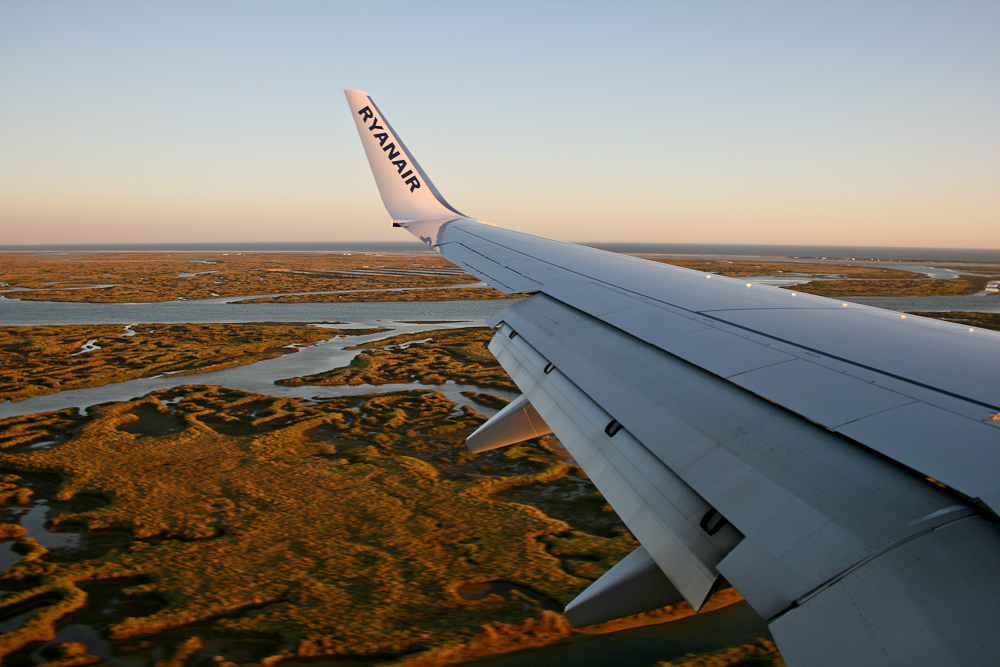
826	123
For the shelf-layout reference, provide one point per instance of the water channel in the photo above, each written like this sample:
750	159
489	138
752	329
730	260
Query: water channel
228	310
260	377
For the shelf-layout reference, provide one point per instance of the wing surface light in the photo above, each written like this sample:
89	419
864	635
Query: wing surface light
837	464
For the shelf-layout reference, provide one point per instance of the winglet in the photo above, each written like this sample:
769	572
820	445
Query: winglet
406	191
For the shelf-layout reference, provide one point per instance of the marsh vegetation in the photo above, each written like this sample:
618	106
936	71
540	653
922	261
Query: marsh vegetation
148	277
843	280
960	286
761	267
358	527
764	653
36	360
429	357
363	277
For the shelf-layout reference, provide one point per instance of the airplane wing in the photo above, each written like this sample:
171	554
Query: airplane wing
837	464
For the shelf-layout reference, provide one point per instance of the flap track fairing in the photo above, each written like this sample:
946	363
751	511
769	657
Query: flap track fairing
516	422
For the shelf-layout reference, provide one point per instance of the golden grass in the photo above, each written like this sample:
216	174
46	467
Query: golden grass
459	355
959	286
75	654
742	268
140	278
858	280
155	277
10	490
987	270
487	400
9	530
500	638
764	653
183	651
36	360
343	528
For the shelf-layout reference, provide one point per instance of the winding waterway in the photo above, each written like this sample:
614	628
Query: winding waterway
260	377
224	310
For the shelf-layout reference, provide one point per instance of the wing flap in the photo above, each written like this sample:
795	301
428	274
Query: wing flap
658	507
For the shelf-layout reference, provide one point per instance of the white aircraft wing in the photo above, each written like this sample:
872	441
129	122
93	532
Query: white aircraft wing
839	465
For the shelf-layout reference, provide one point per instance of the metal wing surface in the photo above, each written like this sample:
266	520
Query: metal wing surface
839	465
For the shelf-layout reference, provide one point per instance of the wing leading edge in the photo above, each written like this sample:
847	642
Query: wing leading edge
780	440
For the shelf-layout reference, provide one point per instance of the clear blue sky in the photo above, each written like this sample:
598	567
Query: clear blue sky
853	123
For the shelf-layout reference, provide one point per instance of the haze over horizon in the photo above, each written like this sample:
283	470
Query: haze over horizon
856	124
